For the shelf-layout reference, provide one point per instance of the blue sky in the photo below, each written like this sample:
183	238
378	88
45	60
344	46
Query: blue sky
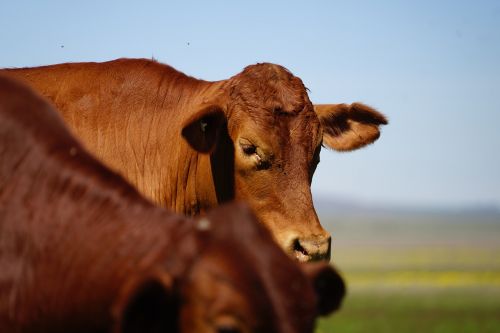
433	67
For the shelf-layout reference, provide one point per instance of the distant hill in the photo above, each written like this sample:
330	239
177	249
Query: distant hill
331	207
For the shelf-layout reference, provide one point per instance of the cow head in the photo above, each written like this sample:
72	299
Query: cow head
238	280
265	137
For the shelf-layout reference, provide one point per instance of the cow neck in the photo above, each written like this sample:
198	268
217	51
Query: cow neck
132	122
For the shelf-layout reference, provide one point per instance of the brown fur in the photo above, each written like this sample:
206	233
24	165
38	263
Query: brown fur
130	112
348	127
82	251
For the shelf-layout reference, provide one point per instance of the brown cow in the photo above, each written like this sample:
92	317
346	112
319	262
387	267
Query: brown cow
82	251
260	127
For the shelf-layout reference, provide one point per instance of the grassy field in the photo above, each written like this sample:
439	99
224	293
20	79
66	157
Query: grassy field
417	274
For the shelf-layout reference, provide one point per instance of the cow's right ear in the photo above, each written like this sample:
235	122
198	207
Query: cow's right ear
146	304
202	129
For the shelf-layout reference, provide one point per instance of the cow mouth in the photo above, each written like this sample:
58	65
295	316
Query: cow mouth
300	253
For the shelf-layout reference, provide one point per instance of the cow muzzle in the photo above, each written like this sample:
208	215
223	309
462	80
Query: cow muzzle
312	249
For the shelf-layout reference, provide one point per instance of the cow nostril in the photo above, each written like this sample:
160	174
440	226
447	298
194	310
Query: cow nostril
298	248
314	249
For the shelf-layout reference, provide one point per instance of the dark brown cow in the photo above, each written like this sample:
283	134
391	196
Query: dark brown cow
260	127
82	251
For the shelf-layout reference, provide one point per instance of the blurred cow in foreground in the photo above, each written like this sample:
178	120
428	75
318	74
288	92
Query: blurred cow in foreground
82	251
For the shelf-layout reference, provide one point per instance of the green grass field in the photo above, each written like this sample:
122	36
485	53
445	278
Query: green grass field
417	274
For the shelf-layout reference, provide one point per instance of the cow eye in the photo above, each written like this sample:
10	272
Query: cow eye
248	149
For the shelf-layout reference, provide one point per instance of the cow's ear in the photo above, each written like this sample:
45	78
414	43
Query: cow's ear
349	126
328	286
146	304
202	129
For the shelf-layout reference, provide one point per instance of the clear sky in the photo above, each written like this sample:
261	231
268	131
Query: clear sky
433	67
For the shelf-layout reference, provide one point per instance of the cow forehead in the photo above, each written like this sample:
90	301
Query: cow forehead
271	87
271	102
240	256
270	292
228	285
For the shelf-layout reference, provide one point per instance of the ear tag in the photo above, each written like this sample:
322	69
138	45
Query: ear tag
203	126
204	224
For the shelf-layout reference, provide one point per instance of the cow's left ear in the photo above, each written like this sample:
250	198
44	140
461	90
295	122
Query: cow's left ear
328	285
202	128
348	127
146	304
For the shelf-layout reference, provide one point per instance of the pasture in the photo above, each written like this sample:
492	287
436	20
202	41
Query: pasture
417	273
